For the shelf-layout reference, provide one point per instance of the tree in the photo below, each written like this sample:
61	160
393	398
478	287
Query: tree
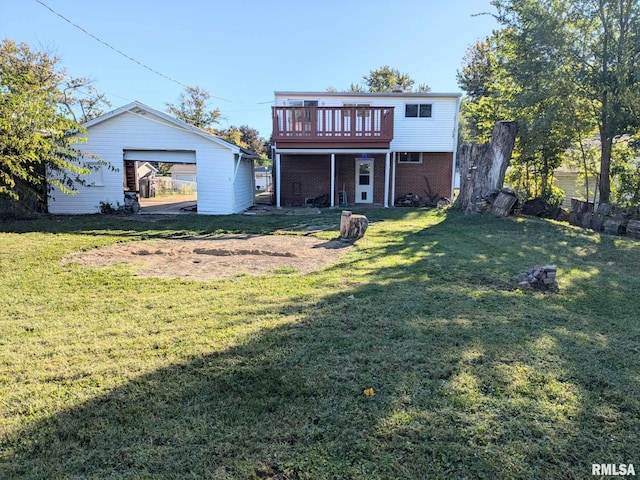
37	134
386	79
192	109
591	45
245	137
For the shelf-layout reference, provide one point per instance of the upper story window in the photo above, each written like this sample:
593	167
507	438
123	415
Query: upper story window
409	157
303	103
418	110
363	109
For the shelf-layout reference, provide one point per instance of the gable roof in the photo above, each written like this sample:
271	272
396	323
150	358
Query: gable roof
141	109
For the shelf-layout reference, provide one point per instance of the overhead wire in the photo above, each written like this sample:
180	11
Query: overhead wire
130	58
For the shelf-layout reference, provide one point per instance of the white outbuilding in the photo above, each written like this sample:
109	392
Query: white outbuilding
131	135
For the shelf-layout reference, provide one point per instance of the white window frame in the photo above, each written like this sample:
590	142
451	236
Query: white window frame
399	156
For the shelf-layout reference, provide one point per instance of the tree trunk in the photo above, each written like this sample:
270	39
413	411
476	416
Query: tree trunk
482	167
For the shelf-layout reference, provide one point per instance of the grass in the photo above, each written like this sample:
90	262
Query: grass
104	374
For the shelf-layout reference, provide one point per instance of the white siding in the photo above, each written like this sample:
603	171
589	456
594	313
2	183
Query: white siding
244	187
435	134
127	131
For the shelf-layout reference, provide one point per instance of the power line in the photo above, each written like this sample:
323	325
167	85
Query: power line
128	57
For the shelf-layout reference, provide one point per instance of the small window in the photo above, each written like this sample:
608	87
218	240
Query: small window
363	109
303	103
422	110
409	157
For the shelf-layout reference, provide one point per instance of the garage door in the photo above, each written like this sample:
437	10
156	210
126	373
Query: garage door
167	156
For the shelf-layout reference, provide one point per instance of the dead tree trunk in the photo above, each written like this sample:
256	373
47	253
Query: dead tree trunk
482	167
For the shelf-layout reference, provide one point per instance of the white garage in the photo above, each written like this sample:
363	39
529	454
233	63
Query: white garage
138	133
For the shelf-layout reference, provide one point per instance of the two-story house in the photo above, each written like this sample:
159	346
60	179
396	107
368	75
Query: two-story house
363	148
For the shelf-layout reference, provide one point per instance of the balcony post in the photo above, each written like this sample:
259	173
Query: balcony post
277	180
333	180
386	180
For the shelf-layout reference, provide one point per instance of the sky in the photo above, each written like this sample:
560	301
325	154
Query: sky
242	51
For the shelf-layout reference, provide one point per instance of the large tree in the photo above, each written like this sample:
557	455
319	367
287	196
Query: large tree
38	134
193	108
591	46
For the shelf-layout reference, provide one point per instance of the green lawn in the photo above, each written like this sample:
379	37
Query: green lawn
104	374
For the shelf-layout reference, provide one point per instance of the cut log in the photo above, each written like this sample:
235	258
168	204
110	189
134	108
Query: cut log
597	222
504	203
352	227
614	226
633	228
482	167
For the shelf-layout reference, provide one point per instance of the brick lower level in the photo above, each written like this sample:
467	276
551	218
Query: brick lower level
305	177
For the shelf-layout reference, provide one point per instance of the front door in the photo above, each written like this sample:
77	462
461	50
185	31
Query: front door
364	180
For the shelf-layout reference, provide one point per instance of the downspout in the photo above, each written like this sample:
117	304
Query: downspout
238	157
455	148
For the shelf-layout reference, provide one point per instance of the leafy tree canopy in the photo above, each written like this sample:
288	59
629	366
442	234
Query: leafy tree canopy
40	113
192	108
385	79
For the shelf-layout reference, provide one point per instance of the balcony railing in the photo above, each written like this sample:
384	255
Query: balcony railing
318	127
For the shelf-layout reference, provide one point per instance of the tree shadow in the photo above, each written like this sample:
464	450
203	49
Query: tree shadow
473	379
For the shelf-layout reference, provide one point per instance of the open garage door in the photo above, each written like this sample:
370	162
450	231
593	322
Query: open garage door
157	189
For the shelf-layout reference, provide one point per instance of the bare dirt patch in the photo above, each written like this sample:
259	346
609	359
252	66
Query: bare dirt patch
223	256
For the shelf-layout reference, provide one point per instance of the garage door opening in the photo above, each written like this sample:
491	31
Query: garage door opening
163	181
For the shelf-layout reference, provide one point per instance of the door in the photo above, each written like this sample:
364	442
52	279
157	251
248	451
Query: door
364	180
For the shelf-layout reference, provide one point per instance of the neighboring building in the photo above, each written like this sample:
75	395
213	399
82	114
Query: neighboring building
263	177
363	148
138	133
184	172
573	184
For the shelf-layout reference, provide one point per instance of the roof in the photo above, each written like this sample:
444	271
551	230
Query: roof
370	94
141	109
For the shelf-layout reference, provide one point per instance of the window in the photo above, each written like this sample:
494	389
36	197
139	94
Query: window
422	110
95	178
409	157
303	103
363	109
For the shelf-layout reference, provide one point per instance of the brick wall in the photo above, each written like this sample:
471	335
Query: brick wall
309	176
410	178
304	176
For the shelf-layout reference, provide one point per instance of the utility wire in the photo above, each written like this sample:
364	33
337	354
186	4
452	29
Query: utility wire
120	52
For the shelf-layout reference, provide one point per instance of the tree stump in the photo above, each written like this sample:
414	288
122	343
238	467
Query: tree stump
482	167
352	227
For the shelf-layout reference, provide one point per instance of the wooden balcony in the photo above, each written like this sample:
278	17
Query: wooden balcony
332	127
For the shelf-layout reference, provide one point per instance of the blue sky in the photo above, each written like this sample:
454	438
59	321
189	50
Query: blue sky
241	51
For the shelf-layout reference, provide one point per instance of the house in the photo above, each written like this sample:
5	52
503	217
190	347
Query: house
573	184
183	172
363	148
138	133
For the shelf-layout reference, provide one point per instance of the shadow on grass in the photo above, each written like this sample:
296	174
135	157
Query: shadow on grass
472	379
